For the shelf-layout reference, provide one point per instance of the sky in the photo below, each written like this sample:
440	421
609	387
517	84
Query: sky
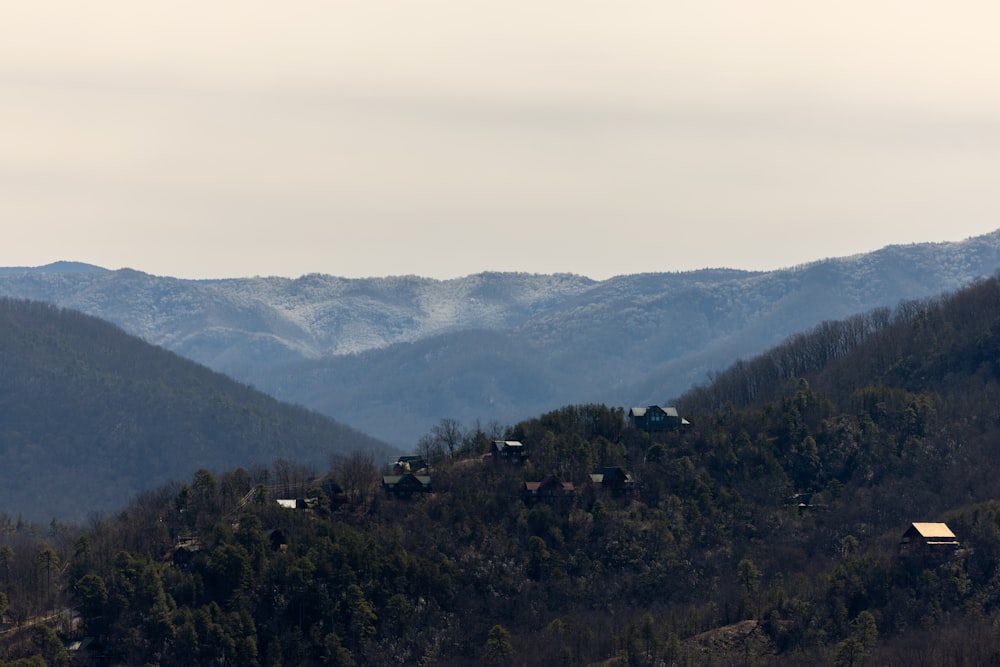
448	137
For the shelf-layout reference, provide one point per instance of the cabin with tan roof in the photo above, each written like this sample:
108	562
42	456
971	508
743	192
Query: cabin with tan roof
928	543
405	486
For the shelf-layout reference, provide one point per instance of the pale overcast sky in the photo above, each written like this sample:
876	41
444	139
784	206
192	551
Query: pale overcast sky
443	138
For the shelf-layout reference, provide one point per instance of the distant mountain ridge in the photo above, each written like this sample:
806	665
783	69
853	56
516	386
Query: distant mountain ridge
54	267
393	355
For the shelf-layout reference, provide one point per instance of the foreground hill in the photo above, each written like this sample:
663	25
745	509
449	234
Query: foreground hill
392	356
766	533
89	416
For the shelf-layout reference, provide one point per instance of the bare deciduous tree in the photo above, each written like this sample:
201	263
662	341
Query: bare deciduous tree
357	475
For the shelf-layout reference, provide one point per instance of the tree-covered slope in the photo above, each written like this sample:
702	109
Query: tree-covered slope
766	533
89	416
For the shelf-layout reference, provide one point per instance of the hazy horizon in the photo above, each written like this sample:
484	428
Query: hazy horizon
443	139
456	277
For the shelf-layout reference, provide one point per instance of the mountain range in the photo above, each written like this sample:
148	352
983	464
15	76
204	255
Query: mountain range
392	356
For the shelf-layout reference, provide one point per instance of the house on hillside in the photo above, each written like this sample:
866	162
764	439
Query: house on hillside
927	543
405	464
182	556
335	493
277	539
404	486
507	452
549	489
614	480
656	418
183	551
297	503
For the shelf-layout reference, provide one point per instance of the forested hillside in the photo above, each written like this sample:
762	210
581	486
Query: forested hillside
89	416
764	533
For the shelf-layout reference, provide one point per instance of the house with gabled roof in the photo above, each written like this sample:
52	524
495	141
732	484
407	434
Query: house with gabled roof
507	452
404	486
549	489
614	480
656	418
928	543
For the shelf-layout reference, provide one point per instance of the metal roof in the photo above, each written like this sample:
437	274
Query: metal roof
668	410
396	479
500	444
933	530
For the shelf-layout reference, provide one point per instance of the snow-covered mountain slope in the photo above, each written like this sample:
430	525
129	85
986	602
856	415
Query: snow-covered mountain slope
280	319
392	356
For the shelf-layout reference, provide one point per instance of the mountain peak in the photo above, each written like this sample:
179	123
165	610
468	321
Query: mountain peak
61	266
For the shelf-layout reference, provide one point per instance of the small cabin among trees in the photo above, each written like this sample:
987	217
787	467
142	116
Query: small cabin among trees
298	503
507	452
614	480
405	464
335	493
277	539
549	489
927	543
183	552
404	486
656	418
